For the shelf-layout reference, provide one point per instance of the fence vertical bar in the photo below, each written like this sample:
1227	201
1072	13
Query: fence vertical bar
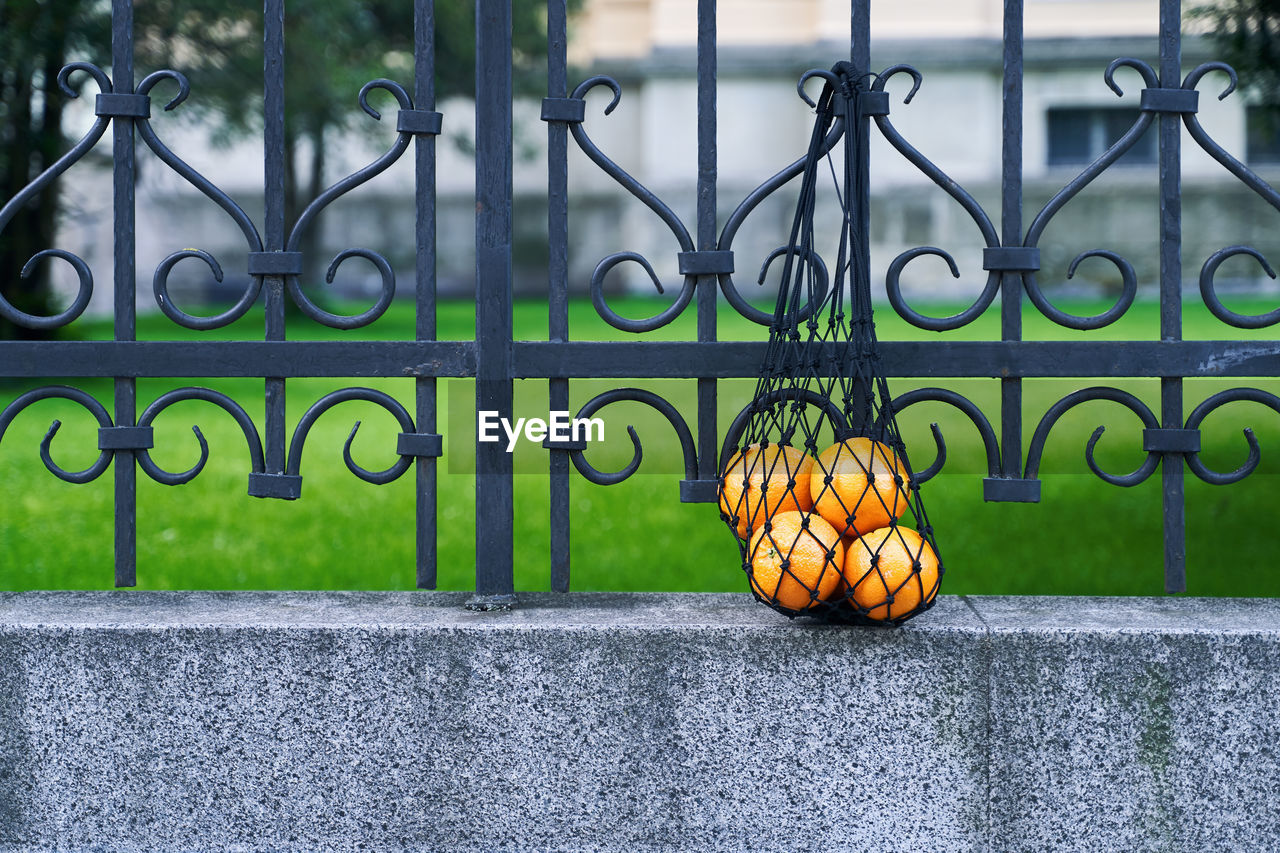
1173	498
495	583
424	98
1011	233
708	439
125	281
558	278
858	149
860	57
274	225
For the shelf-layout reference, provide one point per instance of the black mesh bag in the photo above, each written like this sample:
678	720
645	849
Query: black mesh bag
815	481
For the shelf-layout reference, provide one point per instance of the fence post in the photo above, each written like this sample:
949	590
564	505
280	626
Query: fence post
1170	126
126	393
424	149
558	278
857	144
495	584
274	231
708	174
1011	281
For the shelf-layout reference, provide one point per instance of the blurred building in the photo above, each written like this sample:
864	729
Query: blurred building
1070	116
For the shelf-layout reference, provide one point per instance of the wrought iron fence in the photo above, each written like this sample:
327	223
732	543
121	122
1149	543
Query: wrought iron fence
706	261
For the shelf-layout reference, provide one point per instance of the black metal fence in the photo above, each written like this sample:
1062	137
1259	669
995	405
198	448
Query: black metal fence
706	262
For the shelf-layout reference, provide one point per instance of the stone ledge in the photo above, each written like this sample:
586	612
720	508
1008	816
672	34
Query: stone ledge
128	609
400	721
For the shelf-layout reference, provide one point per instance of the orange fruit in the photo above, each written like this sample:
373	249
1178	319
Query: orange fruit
759	483
881	570
842	589
854	485
796	560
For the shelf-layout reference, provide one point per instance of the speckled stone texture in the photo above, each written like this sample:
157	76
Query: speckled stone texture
1134	724
400	721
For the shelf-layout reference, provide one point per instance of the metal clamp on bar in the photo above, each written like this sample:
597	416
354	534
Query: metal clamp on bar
1170	100
706	263
1011	258
572	110
420	444
275	263
424	122
1171	440
873	103
284	486
125	438
1010	490
123	106
699	491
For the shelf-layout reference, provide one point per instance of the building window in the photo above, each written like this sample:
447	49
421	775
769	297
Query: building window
1079	135
1262	135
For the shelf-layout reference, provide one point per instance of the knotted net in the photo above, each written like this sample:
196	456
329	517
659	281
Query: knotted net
815	479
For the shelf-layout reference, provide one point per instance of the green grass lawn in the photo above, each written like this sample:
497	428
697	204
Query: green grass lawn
1085	537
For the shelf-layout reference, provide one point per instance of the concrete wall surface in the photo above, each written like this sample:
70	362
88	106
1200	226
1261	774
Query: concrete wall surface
147	721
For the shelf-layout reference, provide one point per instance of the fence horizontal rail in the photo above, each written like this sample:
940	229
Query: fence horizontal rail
920	359
632	360
288	359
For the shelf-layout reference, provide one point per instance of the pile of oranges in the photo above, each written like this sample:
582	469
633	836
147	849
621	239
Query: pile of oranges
825	530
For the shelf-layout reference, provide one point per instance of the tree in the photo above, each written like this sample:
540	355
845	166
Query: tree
1246	34
332	48
36	40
